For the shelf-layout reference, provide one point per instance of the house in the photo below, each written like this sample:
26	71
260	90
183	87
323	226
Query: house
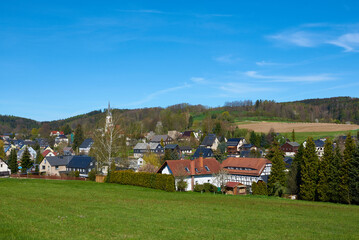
85	146
210	141
53	165
247	170
48	153
164	138
248	147
186	136
206	153
185	150
56	133
234	145
251	154
142	148
197	171
68	151
173	147
42	142
235	188
319	146
83	164
31	151
150	135
174	134
61	139
4	168
288	162
290	148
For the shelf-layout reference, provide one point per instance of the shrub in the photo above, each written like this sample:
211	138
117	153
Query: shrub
181	185
198	188
92	175
259	188
207	187
143	179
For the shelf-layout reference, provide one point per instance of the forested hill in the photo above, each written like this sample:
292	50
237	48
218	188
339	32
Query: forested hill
183	116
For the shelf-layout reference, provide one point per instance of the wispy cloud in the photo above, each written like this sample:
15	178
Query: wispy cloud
227	59
198	79
241	88
350	42
281	78
345	36
265	63
154	95
154	11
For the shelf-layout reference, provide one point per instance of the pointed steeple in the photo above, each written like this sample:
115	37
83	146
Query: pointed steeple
109	109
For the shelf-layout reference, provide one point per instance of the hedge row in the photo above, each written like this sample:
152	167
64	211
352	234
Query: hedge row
143	179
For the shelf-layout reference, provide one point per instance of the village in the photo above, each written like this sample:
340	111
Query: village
232	165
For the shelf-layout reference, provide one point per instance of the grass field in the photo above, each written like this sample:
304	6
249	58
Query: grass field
302	136
53	209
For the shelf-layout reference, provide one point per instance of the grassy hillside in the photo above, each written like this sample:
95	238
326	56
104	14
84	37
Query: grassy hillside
50	209
300	137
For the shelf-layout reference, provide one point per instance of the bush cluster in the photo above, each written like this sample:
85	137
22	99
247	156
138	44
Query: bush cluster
143	179
206	187
259	188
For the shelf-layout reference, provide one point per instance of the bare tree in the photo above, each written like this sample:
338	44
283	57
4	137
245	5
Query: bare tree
106	143
221	179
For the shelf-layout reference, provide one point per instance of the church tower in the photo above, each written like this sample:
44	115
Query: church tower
108	118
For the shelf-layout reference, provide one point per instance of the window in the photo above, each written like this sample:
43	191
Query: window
196	170
186	168
207	168
57	167
1	165
43	167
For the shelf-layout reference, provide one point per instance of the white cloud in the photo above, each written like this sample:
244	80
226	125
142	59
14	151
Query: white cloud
265	63
240	88
158	93
197	79
349	41
282	78
226	59
318	34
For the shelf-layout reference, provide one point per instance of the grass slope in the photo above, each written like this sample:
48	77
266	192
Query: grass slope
50	209
300	137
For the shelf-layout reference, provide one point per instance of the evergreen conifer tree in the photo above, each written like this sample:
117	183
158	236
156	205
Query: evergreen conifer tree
25	160
294	176
13	161
278	169
79	137
354	177
348	157
324	171
309	172
293	136
334	177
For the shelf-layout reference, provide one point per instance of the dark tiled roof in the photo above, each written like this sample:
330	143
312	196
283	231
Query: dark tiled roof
185	148
233	141
87	143
171	146
319	143
209	140
59	161
207	152
249	145
80	162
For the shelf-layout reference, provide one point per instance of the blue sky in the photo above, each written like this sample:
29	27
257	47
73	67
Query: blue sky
63	58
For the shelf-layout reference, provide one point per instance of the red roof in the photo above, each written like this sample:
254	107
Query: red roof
245	166
233	184
183	167
44	154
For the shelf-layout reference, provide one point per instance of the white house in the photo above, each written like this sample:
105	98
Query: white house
4	169
247	170
197	171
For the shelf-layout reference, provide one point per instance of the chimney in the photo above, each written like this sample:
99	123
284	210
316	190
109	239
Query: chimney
193	172
200	161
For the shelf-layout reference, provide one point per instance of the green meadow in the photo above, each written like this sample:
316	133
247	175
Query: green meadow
300	137
55	209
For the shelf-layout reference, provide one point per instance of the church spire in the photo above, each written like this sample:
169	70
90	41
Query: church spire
109	109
